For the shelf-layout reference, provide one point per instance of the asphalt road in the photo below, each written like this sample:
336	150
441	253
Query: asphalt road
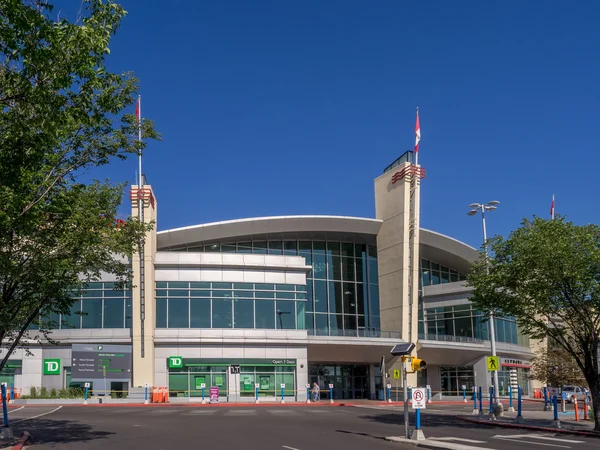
262	427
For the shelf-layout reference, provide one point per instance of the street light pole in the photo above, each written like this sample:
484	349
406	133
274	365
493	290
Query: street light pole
475	208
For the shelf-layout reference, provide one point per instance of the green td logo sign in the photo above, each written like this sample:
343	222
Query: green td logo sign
52	366
175	362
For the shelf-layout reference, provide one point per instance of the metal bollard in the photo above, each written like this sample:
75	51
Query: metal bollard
330	395
389	391
307	395
555	422
4	411
519	404
417	434
480	401
492	416
282	394
146	395
428	394
256	394
203	401
465	395
511	408
546	400
475	410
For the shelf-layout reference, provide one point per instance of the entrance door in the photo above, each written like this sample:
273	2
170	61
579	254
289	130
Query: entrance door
361	387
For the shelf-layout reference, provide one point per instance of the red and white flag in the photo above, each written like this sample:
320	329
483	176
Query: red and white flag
417	133
552	208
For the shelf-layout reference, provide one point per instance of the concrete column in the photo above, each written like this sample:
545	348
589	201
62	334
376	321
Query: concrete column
143	366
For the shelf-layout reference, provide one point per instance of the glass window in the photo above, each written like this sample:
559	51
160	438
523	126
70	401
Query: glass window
73	320
220	294
309	296
360	250
275	248
435	266
178	285
244	294
300	316
349	298
285	295
243	313
500	335
361	270
264	294
199	285
244	247
162	293
219	285
221	313
259	248
228	248
348	269
349	323
179	293
286	319
92	310
285	287
333	248
453	277
435	277
200	313
114	312
445	277
319	266
335	297
128	312
319	247
161	313
372	251
426	277
347	249
361	299
373	271
310	322
265	314
161	285
374	296
265	286
290	248
320	296
243	286
212	248
178	313
321	325
336	323
335	269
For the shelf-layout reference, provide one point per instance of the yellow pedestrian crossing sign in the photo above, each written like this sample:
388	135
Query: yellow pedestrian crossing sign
493	363
397	374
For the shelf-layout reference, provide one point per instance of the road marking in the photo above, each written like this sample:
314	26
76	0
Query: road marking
290	448
539	436
521	441
200	411
163	411
39	415
449	445
241	412
469	441
13	410
283	412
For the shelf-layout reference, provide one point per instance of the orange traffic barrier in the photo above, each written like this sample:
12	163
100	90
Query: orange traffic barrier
162	394
576	409
167	395
154	394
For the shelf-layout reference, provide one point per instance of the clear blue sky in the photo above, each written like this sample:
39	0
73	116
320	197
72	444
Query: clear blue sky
294	107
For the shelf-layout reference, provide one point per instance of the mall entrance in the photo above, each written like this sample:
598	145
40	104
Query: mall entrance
350	381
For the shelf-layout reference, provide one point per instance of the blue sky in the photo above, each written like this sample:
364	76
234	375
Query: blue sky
288	107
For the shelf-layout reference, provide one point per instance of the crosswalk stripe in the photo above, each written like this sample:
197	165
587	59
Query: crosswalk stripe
195	412
240	412
164	411
521	441
468	441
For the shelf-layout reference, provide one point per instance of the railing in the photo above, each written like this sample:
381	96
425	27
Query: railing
355	333
450	338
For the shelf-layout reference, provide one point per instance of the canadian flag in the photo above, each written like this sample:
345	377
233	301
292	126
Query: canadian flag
552	208
417	133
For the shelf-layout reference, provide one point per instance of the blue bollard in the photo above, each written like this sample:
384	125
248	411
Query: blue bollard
146	395
428	395
389	394
85	395
491	399
202	395
510	400
331	395
555	404
474	399
465	395
545	399
282	394
308	394
4	409
418	419
519	404
480	401
12	391
256	393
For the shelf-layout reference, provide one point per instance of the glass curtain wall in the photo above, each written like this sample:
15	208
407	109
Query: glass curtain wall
342	289
433	273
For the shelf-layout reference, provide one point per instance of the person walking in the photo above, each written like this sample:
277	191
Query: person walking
316	392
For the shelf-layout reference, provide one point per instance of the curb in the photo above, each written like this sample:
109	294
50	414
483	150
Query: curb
195	405
529	427
22	441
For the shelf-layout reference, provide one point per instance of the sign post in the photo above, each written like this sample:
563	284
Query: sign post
87	386
6	431
203	386
383	375
282	385
406	430
256	385
389	391
330	393
419	402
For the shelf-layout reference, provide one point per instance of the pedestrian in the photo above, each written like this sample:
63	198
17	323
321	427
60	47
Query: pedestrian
316	392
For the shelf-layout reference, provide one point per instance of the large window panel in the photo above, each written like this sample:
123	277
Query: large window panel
73	320
320	266
128	312
114	312
265	314
349	323
310	307
321	324
286	315
300	316
362	299
200	313
179	312
290	248
221	313
336	324
243	313
335	297
320	296
92	313
349	298
348	269
161	313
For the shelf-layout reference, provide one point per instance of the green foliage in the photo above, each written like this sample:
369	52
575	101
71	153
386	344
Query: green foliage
61	115
547	275
556	367
33	392
53	393
43	393
70	393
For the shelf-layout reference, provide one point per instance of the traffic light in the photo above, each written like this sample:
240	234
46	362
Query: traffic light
418	364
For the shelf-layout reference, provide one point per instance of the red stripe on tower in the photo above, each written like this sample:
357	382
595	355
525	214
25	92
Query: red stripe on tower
552	208
417	133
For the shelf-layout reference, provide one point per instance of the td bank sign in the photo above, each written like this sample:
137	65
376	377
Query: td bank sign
175	362
52	366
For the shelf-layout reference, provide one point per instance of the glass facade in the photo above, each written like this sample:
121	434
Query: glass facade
184	304
462	323
455	377
433	273
349	381
99	306
342	296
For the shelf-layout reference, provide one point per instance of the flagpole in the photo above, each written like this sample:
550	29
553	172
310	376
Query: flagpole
552	211
141	178
142	241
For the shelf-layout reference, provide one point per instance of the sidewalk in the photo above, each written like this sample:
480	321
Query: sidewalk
538	420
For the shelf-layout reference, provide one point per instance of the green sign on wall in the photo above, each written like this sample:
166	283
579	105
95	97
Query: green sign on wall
52	366
175	362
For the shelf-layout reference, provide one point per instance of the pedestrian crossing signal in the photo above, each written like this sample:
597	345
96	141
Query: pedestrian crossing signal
418	364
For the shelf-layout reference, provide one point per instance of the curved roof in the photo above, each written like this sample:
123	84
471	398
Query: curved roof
435	246
357	229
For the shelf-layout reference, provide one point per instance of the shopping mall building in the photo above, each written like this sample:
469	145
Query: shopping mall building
284	300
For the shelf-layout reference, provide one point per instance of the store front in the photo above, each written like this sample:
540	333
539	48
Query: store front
235	378
11	368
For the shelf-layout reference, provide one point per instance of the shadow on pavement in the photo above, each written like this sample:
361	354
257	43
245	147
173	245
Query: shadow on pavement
59	431
433	420
357	433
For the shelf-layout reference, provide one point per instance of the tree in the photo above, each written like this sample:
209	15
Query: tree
556	367
61	115
547	275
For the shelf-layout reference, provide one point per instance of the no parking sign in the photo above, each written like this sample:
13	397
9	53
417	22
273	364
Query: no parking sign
419	398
